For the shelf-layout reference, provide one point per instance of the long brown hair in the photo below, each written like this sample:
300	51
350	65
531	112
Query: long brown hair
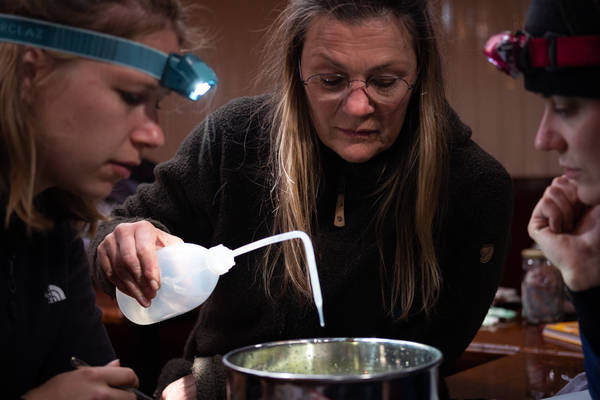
414	194
18	169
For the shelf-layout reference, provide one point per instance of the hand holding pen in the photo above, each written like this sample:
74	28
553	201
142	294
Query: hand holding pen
77	363
109	382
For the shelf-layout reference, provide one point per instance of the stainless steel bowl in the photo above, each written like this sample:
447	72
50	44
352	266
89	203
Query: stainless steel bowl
333	368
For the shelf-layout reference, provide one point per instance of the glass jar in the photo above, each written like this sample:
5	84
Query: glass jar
542	289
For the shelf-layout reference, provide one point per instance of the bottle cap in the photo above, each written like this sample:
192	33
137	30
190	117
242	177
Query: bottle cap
219	259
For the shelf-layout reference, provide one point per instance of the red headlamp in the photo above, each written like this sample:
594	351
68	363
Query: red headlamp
518	53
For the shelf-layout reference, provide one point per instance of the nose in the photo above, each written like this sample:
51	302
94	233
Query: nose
357	101
148	133
548	136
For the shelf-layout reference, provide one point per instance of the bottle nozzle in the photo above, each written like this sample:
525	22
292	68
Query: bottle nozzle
310	256
219	259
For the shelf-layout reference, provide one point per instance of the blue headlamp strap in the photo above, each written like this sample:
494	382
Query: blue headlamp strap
185	74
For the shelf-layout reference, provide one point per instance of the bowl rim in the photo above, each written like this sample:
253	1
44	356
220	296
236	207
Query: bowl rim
434	363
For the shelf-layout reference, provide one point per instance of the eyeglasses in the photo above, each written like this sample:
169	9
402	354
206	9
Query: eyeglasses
380	88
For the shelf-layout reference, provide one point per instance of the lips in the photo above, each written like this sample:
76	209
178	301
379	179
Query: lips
358	132
123	169
570	171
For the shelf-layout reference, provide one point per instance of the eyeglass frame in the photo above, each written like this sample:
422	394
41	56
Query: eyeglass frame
349	81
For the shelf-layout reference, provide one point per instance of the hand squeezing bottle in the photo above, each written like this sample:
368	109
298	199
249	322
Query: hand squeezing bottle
189	274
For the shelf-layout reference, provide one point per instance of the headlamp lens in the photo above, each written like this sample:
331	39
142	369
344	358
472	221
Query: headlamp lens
201	89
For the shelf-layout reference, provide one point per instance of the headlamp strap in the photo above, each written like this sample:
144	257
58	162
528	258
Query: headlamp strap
564	51
81	42
186	74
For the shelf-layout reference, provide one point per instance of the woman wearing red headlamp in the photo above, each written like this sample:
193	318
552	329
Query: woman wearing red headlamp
559	55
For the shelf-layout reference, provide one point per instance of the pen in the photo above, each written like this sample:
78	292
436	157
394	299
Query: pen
77	363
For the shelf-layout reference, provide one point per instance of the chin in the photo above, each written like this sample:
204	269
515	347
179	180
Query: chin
96	192
356	157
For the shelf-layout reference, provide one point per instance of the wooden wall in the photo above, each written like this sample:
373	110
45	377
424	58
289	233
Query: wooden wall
503	115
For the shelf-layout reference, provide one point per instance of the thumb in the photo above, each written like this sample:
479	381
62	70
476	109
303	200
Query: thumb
164	239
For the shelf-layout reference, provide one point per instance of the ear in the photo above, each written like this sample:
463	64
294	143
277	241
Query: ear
36	64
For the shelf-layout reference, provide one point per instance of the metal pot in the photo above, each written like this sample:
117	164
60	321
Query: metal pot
333	368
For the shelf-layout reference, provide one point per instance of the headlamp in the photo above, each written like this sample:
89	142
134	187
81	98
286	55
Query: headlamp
185	73
503	51
518	53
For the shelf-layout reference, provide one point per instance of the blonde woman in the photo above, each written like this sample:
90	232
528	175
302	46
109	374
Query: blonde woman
357	146
74	120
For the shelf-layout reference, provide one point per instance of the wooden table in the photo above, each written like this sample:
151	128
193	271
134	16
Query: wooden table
514	361
111	314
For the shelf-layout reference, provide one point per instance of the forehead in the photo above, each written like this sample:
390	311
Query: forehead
165	40
381	40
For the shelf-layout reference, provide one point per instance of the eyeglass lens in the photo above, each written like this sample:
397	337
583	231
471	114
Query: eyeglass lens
381	88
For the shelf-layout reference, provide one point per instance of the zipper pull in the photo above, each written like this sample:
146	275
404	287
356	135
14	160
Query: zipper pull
339	219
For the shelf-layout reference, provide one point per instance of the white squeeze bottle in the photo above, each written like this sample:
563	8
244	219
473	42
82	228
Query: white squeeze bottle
189	274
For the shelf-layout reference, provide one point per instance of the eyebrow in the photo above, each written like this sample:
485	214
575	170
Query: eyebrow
375	69
143	83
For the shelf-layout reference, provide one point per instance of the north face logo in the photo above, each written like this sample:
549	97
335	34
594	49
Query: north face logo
54	294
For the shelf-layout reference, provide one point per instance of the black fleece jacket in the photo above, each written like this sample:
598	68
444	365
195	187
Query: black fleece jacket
216	191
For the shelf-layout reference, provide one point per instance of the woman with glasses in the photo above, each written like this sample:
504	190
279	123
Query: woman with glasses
566	221
74	122
355	145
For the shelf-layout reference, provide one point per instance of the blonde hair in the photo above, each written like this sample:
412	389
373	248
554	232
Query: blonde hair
18	169
414	194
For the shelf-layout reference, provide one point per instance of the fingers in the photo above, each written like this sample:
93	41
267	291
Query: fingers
164	239
128	265
125	236
576	254
145	252
118	379
120	376
137	253
128	258
118	261
560	199
106	254
87	382
557	208
183	388
114	363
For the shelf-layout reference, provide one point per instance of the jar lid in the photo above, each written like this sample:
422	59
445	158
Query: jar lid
532	253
